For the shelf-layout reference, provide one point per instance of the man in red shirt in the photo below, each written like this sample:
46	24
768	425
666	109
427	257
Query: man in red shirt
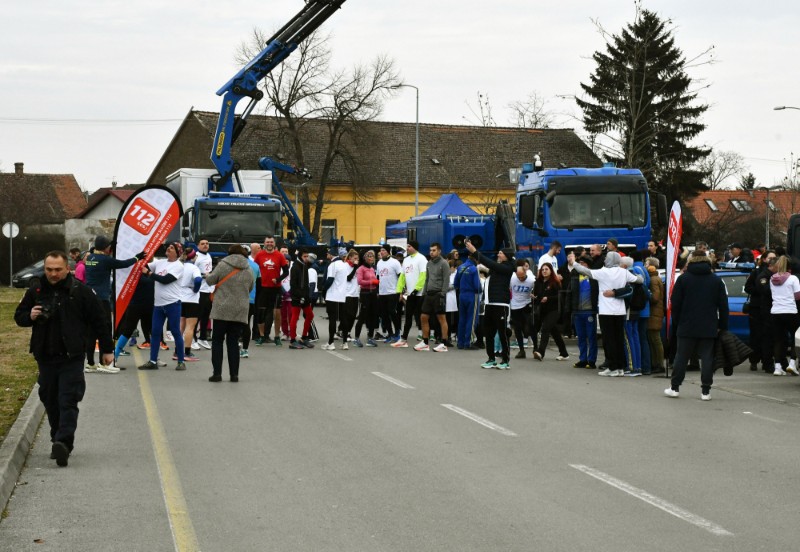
274	268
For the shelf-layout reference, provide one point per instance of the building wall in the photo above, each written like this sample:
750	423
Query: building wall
109	208
364	220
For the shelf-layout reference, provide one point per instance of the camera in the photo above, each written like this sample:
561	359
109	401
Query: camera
47	311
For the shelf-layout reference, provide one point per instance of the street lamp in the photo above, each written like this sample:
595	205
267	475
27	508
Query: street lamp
416	174
767	209
782	107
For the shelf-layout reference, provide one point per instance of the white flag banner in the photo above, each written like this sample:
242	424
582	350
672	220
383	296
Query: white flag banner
674	233
143	224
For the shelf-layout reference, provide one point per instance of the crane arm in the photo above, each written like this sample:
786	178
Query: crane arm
245	84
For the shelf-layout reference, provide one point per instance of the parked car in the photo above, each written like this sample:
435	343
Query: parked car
22	278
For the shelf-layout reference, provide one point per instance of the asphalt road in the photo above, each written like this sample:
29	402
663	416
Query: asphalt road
395	450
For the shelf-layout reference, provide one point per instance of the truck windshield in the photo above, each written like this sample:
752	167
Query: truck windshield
238	225
599	210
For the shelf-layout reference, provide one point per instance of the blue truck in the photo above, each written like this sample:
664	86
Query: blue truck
575	206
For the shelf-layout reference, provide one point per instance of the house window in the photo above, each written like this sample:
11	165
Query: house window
741	205
711	205
328	230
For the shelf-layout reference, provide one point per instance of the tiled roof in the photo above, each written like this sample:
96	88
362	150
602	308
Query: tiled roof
39	198
731	203
465	156
101	194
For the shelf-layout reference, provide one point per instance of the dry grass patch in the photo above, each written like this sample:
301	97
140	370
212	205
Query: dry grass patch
18	369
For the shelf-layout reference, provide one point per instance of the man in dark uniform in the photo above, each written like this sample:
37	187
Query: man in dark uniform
64	315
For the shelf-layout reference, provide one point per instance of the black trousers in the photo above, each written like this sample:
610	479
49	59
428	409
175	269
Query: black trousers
703	348
495	321
367	314
612	328
61	388
90	342
251	311
389	315
205	313
413	305
135	315
550	327
228	332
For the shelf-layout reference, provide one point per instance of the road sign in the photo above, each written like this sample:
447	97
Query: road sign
10	230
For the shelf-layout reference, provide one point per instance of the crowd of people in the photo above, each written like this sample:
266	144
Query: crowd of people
257	293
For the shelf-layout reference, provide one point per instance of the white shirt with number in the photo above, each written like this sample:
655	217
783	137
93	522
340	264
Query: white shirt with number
166	294
204	262
413	266
388	273
190	272
521	290
338	270
547	258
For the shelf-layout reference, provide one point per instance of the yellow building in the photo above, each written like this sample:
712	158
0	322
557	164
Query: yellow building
371	180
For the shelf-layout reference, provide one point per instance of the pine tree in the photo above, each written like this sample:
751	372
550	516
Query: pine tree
640	104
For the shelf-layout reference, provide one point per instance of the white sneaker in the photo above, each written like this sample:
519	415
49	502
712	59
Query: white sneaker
440	348
345	347
195	345
559	357
778	370
400	344
168	336
110	369
792	368
611	373
90	369
670	392
328	347
704	397
422	346
203	343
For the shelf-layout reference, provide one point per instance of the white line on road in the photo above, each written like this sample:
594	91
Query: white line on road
483	421
390	379
760	417
341	356
653	500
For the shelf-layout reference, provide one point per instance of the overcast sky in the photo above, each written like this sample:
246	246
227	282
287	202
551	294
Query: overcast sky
98	89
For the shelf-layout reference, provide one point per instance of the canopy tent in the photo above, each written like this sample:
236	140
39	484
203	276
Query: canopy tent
447	205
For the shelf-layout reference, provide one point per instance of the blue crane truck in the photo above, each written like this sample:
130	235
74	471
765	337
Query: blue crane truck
575	206
231	206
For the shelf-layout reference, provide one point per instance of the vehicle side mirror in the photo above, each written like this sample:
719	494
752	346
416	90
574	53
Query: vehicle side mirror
527	210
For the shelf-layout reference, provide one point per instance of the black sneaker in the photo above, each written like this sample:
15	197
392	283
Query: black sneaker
60	453
215	378
580	364
149	365
295	345
305	342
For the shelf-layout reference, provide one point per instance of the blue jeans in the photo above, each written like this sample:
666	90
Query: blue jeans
644	346
172	314
468	304
633	349
586	330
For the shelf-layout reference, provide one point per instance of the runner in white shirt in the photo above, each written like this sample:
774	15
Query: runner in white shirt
335	294
410	285
204	262
191	281
167	274
388	269
551	256
521	309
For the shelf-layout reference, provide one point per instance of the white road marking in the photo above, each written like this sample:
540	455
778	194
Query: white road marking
653	500
341	356
390	379
767	397
760	417
483	421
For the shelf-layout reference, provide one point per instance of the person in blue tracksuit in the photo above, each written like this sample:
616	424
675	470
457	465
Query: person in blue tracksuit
468	285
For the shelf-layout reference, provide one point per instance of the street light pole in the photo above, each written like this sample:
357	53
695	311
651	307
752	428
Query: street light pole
782	107
416	172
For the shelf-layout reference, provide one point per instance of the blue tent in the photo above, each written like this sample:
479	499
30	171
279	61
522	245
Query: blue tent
447	205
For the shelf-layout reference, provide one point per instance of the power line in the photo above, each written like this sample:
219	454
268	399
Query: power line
47	121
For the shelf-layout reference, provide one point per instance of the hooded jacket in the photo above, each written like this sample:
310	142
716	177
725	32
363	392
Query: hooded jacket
699	301
232	297
785	289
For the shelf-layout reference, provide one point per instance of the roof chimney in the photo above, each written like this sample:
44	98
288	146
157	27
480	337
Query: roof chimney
18	169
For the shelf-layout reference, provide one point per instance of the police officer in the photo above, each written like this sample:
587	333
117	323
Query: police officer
64	314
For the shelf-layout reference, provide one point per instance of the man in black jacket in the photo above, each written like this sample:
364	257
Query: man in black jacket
64	315
300	289
497	300
699	311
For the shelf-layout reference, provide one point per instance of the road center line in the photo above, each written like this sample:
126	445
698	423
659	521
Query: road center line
653	500
760	417
390	379
483	421
341	356
183	535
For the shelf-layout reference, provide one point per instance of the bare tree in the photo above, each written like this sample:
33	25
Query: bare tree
722	166
530	112
304	87
482	112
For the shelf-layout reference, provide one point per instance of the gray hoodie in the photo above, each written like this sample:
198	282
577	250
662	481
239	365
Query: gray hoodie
437	279
231	297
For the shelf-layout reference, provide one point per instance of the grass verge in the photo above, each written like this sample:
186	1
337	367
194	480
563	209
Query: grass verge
18	369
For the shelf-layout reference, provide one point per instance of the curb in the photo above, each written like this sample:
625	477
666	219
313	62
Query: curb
14	449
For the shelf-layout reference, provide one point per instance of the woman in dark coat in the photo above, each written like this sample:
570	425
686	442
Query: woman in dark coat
545	308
